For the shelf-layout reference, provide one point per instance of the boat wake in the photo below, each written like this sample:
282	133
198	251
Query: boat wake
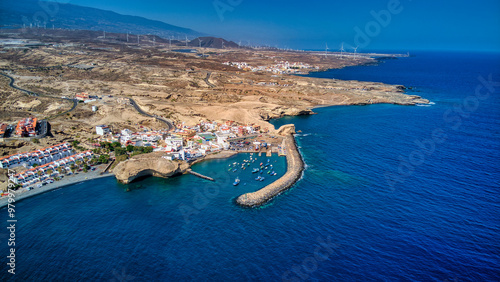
426	105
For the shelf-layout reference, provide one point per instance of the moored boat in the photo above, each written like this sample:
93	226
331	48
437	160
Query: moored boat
236	181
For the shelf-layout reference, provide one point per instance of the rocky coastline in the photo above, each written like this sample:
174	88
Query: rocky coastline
153	164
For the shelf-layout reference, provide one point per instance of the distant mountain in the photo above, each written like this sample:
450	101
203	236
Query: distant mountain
13	14
212	42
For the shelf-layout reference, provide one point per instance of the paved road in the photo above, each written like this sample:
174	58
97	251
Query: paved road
162	119
11	84
208	82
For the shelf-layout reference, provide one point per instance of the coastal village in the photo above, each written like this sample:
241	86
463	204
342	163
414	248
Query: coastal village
281	67
187	143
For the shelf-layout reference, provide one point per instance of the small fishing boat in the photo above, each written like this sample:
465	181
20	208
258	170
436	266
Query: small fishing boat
261	164
258	178
262	178
255	170
236	181
234	170
268	172
261	171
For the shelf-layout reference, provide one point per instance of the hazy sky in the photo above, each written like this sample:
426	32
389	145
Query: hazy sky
402	25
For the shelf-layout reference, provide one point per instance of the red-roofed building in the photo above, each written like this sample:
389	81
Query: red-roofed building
3	128
26	127
82	96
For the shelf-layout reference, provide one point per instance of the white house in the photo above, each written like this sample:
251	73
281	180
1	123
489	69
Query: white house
102	129
174	142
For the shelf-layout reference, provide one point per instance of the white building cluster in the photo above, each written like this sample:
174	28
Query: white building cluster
48	170
185	142
188	142
39	157
282	67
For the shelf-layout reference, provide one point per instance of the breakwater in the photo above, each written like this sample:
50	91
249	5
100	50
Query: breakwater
295	167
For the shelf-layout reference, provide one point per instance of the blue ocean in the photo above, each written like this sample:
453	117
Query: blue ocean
390	193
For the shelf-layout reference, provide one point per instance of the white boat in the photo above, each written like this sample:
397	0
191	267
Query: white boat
236	181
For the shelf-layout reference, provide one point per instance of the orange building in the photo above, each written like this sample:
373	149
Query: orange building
3	127
82	96
26	127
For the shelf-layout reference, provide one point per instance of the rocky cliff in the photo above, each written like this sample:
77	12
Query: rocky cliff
278	112
148	165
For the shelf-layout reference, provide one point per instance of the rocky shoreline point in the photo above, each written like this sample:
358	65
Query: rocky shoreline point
153	164
295	167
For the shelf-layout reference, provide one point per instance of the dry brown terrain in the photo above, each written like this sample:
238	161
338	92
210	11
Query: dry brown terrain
170	84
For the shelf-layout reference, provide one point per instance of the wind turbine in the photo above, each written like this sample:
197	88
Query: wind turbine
104	32
355	51
202	51
170	42
326	51
186	41
342	50
154	40
127	36
137	39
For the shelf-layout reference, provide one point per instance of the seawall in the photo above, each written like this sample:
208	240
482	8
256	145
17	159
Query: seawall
295	167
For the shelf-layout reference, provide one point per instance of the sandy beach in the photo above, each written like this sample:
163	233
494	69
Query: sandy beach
66	181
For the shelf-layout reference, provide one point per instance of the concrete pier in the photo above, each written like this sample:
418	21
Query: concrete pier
269	153
200	175
295	166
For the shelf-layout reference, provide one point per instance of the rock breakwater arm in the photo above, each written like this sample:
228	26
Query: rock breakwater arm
295	167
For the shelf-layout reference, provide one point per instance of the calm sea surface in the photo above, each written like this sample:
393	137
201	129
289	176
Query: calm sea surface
390	193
